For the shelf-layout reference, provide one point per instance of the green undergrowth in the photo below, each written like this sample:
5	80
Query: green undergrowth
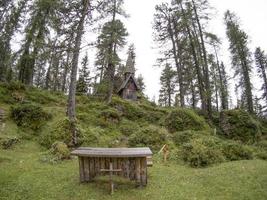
40	115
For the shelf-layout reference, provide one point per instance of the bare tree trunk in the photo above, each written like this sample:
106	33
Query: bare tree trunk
206	68
111	66
66	69
196	63
74	67
173	35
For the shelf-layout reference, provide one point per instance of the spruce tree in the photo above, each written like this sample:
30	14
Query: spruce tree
261	64
167	81
83	82
241	59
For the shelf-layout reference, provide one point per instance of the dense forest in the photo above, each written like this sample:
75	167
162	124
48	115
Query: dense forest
52	100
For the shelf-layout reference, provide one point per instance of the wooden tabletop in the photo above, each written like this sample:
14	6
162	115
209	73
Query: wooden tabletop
112	152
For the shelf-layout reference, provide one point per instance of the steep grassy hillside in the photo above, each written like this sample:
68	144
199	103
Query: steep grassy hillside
35	121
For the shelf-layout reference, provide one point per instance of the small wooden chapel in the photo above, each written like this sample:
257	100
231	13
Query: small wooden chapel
129	87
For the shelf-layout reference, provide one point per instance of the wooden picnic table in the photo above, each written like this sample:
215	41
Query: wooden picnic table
130	163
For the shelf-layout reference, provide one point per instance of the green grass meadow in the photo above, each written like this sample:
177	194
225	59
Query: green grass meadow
23	176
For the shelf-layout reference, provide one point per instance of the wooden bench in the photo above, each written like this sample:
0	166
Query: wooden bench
130	163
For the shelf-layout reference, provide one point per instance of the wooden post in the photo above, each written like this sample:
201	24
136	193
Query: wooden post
137	172
143	171
86	169
81	169
110	178
91	169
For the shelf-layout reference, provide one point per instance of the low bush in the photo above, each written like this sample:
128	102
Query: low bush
29	116
151	136
262	155
111	115
182	137
239	125
8	142
235	151
61	131
58	152
129	110
262	144
15	86
44	97
201	152
128	128
185	119
93	135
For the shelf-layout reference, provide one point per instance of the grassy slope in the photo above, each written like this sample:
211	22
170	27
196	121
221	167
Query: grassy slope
23	176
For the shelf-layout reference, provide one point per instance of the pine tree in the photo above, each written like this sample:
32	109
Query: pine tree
36	33
83	82
110	40
261	64
81	14
241	60
112	37
10	26
167	81
141	83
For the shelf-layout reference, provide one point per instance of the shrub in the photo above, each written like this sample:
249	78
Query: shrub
8	142
60	150
182	137
61	131
15	86
185	119
130	110
263	144
235	151
239	125
201	152
151	136
44	96
92	135
128	128
29	116
111	115
262	155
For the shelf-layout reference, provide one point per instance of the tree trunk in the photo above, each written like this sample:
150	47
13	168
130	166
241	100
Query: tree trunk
196	63
66	69
206	67
74	67
177	63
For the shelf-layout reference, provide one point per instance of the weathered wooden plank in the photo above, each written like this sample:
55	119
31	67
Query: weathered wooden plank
138	171
143	171
115	165
102	163
127	167
91	169
132	168
81	169
97	166
86	169
112	152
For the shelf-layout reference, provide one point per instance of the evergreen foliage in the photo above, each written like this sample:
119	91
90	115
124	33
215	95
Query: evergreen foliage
241	57
185	119
29	116
150	136
240	125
